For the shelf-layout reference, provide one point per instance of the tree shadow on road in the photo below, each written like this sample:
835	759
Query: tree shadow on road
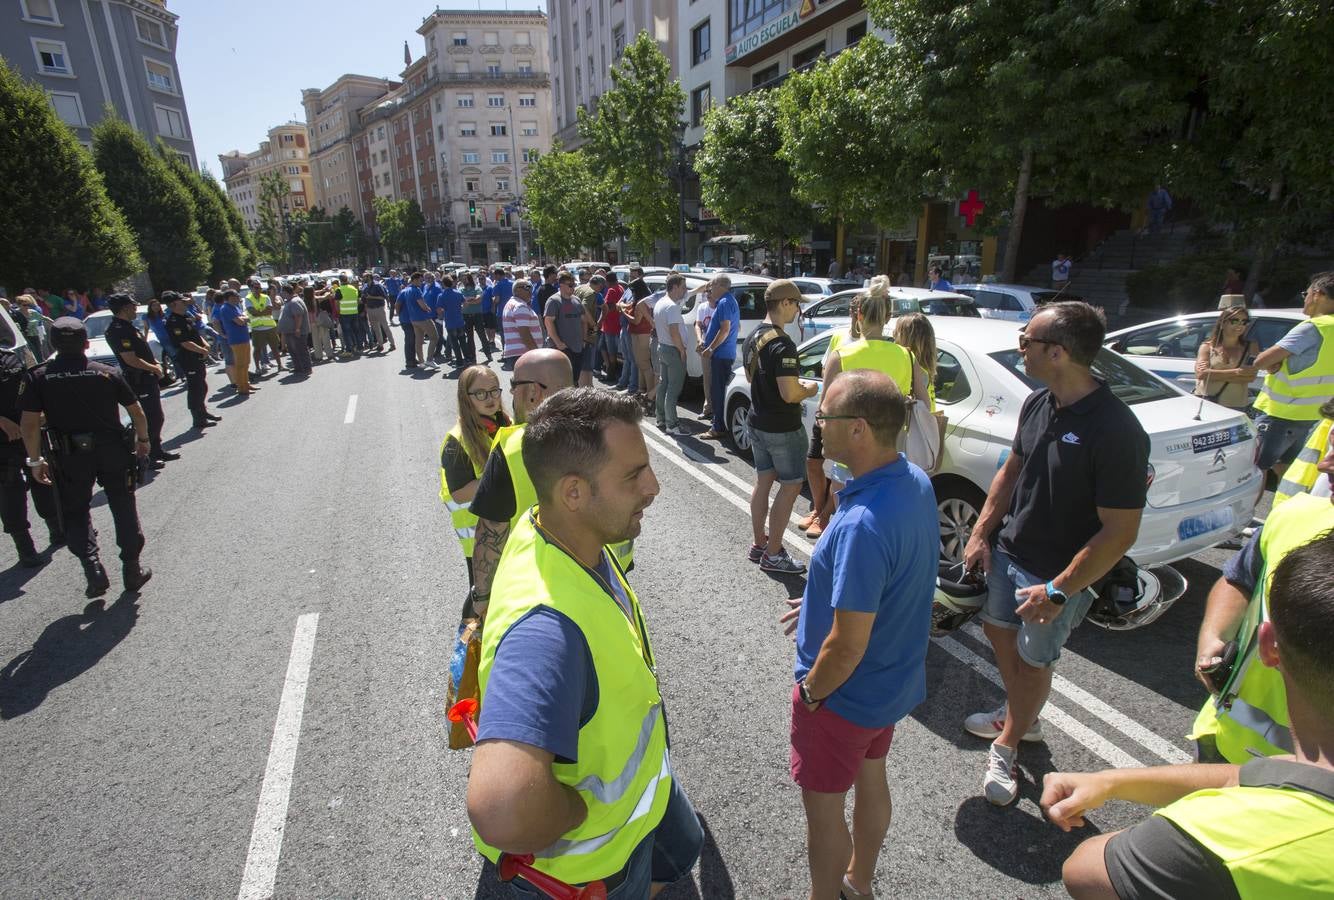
715	882
66	649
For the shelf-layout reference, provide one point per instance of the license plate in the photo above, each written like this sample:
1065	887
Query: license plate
1212	440
1213	520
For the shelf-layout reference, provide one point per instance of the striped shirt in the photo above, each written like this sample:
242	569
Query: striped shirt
518	314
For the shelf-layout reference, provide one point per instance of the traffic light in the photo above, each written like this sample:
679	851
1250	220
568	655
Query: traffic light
472	208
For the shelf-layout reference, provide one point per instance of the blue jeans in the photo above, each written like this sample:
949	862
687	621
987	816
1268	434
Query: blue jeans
666	855
629	372
352	334
1279	440
671	378
1039	645
720	373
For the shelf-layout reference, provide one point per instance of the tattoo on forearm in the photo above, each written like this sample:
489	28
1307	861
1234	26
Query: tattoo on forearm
488	543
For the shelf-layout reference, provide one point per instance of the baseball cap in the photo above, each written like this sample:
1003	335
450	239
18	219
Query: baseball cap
782	289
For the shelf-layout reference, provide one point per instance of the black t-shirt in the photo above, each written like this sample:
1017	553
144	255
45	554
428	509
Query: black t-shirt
1073	460
776	359
77	395
545	293
495	498
1156	859
11	384
181	329
123	337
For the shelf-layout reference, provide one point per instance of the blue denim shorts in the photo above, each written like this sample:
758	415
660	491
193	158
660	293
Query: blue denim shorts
663	857
1279	440
1039	645
783	452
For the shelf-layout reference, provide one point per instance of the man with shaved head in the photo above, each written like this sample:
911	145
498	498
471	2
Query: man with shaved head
505	491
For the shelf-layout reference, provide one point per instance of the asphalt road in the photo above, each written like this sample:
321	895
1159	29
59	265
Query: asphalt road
136	733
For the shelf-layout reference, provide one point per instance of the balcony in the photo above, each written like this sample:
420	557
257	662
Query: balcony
502	77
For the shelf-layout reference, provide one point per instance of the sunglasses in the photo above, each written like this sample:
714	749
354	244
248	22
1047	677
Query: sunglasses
521	383
488	394
822	418
1237	321
1025	340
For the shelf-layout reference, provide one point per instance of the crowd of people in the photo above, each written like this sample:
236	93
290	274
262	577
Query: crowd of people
575	780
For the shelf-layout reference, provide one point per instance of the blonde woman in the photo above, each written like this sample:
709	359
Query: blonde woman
466	447
914	333
876	350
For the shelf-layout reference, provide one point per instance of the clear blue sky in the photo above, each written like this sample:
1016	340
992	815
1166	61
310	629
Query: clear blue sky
244	62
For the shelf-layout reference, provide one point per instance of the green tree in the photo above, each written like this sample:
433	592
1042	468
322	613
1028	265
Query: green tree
743	178
1258	156
269	236
318	239
852	139
350	238
249	255
226	252
401	223
1075	101
59	228
629	140
156	204
567	203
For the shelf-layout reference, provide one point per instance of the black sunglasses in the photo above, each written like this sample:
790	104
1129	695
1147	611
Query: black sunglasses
521	383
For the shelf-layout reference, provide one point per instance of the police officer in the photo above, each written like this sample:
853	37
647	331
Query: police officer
141	370
15	483
182	328
79	399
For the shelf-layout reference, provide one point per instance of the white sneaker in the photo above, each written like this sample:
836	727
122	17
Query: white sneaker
990	724
999	785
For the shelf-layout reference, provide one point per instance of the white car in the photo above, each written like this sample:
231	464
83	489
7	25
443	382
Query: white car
1168	347
98	349
749	293
1204	484
819	288
1015	302
835	312
623	272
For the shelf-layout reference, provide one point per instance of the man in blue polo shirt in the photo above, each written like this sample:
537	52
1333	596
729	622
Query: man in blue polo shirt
718	351
862	630
392	285
408	304
458	341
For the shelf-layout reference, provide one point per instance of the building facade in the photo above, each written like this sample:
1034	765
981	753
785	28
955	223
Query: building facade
587	37
287	152
332	121
87	54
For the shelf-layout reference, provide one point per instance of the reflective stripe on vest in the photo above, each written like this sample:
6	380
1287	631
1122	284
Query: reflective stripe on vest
1302	475
1298	398
1274	841
347	300
622	769
882	356
464	522
261	318
1251	712
510	441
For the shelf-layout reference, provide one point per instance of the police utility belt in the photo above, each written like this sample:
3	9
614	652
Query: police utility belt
88	441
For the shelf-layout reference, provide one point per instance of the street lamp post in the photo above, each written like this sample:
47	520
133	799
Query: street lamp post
518	206
681	185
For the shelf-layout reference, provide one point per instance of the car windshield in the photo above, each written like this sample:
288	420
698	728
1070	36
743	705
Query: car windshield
1128	382
836	286
96	325
939	306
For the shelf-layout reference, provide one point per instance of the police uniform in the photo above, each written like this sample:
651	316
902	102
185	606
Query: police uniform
123	337
182	329
15	480
81	401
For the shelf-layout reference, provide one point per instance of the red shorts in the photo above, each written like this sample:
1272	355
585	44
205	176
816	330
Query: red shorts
827	749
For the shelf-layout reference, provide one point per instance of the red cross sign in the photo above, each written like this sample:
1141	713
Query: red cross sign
970	208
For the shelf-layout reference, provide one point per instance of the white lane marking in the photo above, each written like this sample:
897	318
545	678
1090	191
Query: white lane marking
1121	722
1071	726
351	410
794	541
1094	742
266	838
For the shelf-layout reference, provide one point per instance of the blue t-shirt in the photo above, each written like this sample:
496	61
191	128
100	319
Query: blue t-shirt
159	329
411	311
431	294
236	334
501	293
878	555
726	310
488	299
393	285
1303	342
451	307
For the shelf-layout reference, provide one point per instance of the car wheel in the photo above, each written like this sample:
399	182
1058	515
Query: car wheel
738	422
958	504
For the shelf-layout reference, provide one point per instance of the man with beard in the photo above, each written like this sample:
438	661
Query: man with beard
567	677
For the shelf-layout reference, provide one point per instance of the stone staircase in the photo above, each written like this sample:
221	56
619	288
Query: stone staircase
1100	275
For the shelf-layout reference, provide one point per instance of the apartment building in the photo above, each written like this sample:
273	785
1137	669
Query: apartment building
332	120
88	55
285	151
587	38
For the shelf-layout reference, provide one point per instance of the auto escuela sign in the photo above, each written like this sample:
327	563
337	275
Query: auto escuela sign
774	29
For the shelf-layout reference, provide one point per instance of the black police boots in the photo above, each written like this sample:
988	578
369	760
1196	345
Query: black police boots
134	575
28	555
98	582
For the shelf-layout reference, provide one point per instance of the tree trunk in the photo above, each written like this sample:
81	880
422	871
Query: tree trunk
1017	217
1263	246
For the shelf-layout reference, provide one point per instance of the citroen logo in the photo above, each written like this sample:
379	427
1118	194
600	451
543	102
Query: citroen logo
1220	457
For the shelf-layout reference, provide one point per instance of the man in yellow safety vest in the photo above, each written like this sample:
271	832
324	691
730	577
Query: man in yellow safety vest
571	763
1260	830
1303	476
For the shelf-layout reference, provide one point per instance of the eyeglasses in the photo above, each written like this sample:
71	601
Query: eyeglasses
1236	321
1025	340
520	383
821	418
489	394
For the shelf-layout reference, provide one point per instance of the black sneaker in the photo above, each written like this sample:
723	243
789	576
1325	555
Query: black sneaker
756	552
782	563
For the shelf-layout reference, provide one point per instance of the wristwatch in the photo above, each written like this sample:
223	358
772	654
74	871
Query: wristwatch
804	693
1055	594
